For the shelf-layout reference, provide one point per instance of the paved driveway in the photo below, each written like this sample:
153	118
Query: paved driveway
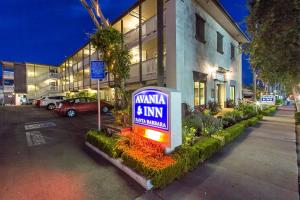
42	157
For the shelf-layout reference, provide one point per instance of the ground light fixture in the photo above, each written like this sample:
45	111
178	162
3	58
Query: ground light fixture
154	135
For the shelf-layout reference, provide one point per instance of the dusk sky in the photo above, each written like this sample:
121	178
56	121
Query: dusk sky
43	31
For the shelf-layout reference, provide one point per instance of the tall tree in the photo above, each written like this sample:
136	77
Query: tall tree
109	45
160	43
274	26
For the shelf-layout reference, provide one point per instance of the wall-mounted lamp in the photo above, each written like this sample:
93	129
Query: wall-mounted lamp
212	71
228	75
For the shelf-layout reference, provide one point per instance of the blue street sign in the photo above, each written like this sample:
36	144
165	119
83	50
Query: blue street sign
151	109
97	69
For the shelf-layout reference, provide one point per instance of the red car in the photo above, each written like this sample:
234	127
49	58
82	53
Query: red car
72	107
37	102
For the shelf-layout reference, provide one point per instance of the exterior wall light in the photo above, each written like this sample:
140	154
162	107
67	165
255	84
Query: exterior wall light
228	75
212	71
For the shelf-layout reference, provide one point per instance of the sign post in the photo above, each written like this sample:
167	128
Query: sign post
98	73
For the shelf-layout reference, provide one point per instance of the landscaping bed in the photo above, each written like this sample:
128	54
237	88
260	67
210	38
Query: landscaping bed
203	137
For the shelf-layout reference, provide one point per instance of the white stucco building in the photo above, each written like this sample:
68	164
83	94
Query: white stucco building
202	56
204	60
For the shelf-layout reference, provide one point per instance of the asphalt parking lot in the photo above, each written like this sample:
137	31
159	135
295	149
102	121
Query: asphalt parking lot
42	156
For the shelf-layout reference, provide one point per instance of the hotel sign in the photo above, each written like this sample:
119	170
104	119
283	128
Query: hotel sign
151	109
268	99
156	115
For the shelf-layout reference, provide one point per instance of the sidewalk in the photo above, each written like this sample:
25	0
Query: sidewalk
261	164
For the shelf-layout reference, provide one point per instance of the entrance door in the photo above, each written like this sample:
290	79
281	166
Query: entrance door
221	94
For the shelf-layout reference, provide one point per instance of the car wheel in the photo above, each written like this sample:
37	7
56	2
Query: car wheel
105	109
71	113
51	106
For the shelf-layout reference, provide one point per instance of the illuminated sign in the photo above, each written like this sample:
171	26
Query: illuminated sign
268	99
151	109
156	115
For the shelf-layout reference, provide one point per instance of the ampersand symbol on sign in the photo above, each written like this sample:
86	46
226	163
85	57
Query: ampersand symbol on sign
139	110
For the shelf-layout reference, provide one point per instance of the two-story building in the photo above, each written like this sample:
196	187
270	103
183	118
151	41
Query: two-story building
202	55
202	52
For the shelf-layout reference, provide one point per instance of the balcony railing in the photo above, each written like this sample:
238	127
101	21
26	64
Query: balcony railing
149	27
149	71
41	78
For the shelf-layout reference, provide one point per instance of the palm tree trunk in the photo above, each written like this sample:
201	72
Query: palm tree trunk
160	43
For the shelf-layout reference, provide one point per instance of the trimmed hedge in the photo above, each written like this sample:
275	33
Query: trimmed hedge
269	111
227	135
187	157
105	143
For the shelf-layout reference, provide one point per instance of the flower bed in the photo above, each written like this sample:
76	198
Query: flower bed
148	159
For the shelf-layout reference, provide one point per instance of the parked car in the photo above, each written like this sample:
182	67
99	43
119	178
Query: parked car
72	107
50	102
37	102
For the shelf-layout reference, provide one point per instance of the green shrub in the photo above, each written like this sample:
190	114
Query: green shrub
188	135
105	143
279	101
229	134
231	118
206	147
248	110
269	111
203	124
214	107
297	117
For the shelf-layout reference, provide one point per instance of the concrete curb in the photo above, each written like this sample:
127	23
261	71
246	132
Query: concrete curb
145	183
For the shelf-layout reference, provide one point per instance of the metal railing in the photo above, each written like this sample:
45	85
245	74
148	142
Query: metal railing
43	77
47	90
149	27
149	70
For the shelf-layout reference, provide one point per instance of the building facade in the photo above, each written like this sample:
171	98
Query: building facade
27	80
202	55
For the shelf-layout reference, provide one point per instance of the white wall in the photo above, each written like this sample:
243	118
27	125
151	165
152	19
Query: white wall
185	54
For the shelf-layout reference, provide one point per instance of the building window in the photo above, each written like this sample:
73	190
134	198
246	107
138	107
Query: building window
199	93
232	51
200	29
232	93
220	43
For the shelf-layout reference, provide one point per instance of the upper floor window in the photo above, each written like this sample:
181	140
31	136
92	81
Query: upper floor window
200	29
232	51
220	43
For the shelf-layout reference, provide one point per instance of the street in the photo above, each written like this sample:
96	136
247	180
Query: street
42	156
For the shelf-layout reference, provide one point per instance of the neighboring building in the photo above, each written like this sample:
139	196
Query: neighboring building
202	55
18	80
202	52
42	80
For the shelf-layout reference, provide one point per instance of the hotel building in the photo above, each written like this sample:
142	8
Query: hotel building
202	52
202	55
